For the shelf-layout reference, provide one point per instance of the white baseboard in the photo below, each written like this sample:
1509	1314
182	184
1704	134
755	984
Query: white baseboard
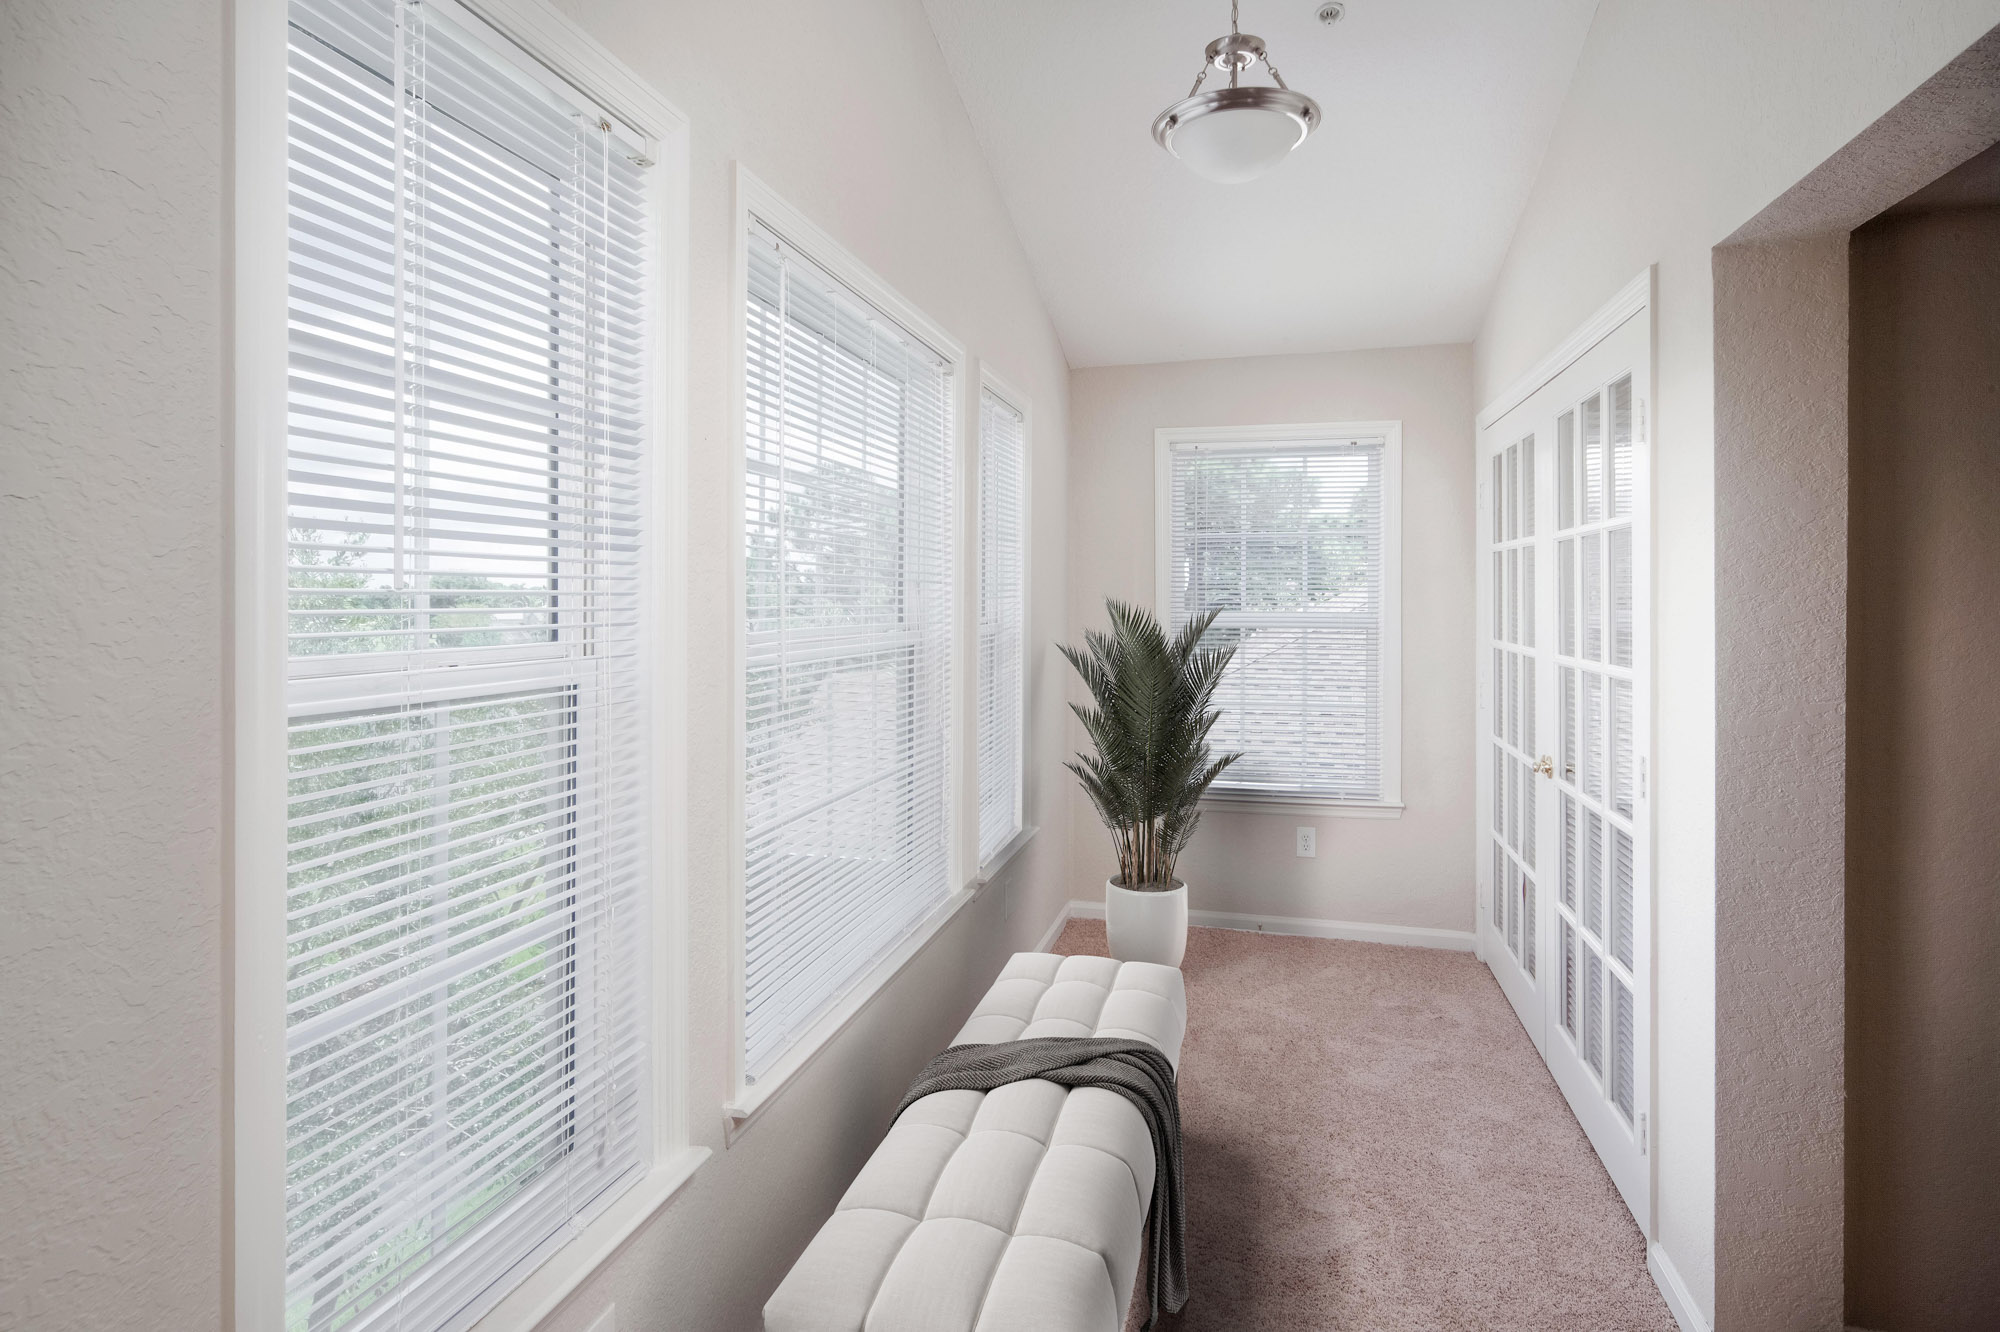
1055	930
1408	936
1679	1302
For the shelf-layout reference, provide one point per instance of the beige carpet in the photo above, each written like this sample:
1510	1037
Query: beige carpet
1373	1144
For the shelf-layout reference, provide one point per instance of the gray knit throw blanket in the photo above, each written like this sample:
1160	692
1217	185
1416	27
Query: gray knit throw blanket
1133	1069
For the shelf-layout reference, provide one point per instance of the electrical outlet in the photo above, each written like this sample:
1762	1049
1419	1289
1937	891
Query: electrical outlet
1308	842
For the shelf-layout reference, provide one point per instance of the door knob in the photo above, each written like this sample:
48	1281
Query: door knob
1545	766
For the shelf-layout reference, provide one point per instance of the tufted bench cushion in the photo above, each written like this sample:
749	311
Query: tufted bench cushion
1015	1210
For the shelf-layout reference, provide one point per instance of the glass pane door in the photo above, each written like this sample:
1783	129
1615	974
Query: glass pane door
1566	915
1516	670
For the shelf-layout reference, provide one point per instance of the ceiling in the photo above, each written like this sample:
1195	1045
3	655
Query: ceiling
1386	228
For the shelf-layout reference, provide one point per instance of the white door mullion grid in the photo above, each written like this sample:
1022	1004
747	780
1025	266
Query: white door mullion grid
1586	998
1600	1006
1513	662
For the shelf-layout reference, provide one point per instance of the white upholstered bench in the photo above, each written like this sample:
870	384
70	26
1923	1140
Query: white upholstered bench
1016	1210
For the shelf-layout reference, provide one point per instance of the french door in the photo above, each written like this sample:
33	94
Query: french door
1565	724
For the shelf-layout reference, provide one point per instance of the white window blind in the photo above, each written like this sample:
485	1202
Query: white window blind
848	612
1002	511
1286	541
465	1042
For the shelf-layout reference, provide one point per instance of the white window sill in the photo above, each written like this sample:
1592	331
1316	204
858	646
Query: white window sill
544	1289
1308	806
991	869
751	1099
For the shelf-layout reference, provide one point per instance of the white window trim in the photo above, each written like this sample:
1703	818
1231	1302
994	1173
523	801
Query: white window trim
256	688
756	200
990	382
1250	437
990	870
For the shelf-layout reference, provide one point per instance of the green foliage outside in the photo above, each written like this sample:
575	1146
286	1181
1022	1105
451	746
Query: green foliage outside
1280	534
341	606
420	833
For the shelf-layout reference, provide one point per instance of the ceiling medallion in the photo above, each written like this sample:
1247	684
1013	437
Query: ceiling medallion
1236	133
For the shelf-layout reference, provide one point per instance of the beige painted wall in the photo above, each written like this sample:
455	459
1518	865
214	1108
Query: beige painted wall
1923	849
112	950
1683	120
111	732
1415	870
1681	123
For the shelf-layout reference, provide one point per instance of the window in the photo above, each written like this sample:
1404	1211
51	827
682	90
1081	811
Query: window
467	1056
1291	534
849	558
1003	465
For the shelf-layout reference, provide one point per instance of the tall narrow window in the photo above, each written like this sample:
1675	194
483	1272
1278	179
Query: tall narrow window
465	1040
1003	462
848	517
1287	536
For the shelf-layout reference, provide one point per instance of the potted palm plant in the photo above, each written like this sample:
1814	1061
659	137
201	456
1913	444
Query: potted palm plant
1148	719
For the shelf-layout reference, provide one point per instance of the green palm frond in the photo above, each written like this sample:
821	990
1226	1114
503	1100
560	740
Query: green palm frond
1148	718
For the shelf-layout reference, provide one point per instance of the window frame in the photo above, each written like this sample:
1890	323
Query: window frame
757	201
554	46
1254	438
1024	832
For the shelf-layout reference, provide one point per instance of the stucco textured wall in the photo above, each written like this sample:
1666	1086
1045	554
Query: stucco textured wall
1923	774
1781	670
1682	122
1414	870
111	733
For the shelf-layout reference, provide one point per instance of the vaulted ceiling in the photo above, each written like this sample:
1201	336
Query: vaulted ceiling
1386	228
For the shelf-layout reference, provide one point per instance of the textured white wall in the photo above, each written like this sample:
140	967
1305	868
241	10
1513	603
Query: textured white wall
1682	122
111	741
1414	870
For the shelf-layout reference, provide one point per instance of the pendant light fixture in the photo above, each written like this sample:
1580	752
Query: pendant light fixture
1239	132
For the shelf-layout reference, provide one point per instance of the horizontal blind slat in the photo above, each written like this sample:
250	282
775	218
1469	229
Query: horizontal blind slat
467	389
1002	630
1285	542
848	477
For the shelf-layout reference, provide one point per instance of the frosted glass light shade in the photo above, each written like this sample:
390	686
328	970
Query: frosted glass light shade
1236	134
1238	144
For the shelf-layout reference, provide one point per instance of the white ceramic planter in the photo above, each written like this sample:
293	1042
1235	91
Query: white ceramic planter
1146	927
